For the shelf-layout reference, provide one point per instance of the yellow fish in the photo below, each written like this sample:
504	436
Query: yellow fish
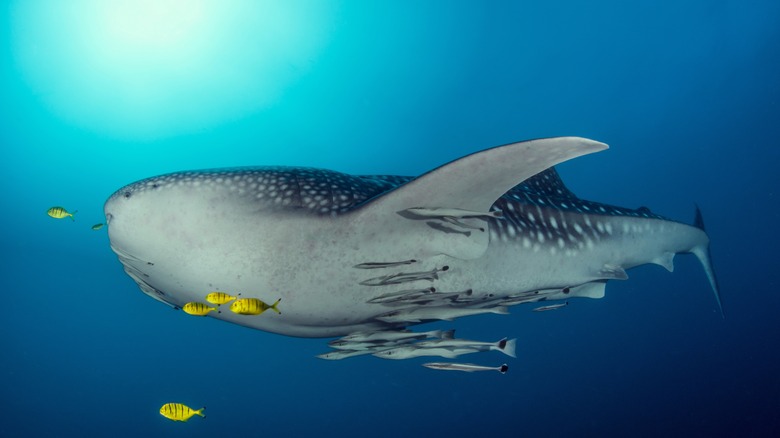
197	309
97	226
252	306
219	298
180	412
60	213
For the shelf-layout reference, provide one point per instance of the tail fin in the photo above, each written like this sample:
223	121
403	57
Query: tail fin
273	307
71	216
200	412
507	347
503	369
703	254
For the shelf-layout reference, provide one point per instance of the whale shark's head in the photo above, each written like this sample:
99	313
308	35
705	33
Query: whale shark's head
171	223
166	224
143	215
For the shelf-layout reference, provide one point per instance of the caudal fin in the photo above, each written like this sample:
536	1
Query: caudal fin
200	412
702	252
507	346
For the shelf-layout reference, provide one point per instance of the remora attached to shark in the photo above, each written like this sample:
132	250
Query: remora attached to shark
362	254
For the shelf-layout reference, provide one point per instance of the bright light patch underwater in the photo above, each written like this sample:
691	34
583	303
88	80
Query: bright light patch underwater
141	69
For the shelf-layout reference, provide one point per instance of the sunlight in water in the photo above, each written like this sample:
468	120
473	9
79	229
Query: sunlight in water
143	69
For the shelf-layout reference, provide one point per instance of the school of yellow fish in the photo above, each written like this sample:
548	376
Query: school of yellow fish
240	306
254	306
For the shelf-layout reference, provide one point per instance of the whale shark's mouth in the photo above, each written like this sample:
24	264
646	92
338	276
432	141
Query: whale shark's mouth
129	261
145	287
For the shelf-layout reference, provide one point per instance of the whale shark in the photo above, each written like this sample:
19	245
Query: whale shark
348	254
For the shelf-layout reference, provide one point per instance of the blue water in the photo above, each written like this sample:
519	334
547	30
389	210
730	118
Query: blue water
94	95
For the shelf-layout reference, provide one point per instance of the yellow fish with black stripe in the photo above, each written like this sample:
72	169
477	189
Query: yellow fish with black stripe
219	298
197	309
60	213
253	306
180	412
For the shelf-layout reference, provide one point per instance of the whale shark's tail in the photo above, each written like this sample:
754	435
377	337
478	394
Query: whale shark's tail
702	252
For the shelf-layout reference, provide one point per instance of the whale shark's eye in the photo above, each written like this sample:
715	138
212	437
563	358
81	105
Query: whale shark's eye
127	195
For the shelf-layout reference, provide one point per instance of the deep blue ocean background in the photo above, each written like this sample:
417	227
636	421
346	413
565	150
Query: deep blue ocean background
95	95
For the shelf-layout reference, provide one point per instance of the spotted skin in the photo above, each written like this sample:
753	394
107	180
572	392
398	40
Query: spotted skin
308	235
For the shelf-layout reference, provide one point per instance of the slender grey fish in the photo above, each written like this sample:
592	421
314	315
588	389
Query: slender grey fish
467	367
446	313
372	345
410	351
551	307
388	335
503	345
343	354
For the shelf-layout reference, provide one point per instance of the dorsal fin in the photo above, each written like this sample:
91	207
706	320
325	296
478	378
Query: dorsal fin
475	181
471	184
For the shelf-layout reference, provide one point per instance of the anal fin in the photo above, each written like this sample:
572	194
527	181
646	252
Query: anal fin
666	260
613	272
